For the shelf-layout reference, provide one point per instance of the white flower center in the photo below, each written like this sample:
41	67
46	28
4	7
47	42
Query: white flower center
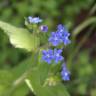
48	55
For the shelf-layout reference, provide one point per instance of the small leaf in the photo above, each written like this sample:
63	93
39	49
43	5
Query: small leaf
20	37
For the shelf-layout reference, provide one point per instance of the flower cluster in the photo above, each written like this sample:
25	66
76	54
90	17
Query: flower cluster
34	20
60	36
50	55
65	73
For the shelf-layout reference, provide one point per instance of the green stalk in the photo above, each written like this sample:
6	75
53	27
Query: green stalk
76	31
27	81
83	25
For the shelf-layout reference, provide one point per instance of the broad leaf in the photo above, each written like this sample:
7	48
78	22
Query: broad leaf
5	80
20	37
37	81
14	79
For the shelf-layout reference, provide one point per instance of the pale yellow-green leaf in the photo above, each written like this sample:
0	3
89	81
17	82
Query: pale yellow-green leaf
20	37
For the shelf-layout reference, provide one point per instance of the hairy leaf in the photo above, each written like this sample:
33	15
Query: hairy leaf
20	37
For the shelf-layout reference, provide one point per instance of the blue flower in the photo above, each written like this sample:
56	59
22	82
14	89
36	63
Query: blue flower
57	55
34	20
66	40
54	39
50	55
44	28
63	34
47	56
60	36
60	27
65	73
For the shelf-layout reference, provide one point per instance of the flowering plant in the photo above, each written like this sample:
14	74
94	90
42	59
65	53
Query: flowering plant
48	67
56	38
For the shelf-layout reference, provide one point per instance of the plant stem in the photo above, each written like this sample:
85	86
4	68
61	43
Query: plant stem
71	57
83	25
27	81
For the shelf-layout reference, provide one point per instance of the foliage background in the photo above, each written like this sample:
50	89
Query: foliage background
82	63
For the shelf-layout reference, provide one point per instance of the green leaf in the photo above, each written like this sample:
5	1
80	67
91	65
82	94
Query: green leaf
5	80
38	78
13	84
21	90
24	66
20	37
40	90
59	90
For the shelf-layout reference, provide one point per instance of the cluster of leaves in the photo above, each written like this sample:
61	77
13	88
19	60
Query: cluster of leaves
13	73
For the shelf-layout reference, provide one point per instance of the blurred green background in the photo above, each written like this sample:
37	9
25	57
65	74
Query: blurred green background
80	55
